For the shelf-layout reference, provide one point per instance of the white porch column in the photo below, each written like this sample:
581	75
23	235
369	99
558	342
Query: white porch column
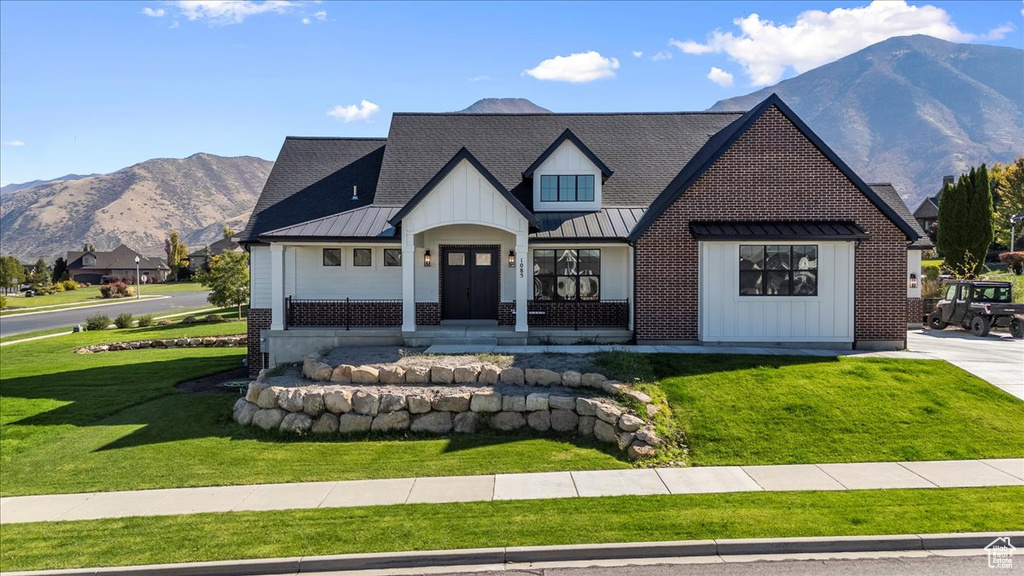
277	287
523	274
408	281
631	284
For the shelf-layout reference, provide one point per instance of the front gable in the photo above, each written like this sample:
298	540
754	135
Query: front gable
567	156
464	192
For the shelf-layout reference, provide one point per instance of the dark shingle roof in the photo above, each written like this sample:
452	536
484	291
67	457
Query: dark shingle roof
216	247
768	230
122	258
887	192
928	209
365	222
313	177
645	150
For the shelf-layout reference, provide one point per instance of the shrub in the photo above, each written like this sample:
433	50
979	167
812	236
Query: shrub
117	290
164	323
190	320
69	285
3	301
97	322
931	272
1014	261
58	287
145	320
124	320
215	319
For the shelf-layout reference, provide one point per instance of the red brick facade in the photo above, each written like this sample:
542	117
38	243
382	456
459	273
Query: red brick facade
257	319
772	172
915	311
428	313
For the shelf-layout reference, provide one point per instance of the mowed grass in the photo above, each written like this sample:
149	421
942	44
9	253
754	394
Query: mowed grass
91	295
241	535
795	410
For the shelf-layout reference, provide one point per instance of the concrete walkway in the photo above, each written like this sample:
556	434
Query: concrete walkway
545	485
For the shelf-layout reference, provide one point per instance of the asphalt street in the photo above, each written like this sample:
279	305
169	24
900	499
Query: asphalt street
889	566
19	324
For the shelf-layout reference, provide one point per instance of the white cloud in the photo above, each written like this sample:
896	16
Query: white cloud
320	15
14	143
662	55
175	24
351	113
720	77
306	21
766	50
638	54
999	32
158	13
582	67
481	78
225	12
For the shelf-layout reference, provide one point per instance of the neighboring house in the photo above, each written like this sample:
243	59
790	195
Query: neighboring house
94	266
201	258
706	227
927	212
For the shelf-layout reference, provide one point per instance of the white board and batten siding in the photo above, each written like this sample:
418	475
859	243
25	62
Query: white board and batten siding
464	196
306	278
728	317
567	159
914	267
259	276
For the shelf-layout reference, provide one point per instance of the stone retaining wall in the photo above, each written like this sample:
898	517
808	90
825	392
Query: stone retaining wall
360	399
208	342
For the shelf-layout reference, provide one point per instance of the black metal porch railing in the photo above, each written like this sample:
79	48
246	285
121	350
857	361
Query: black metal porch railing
579	314
342	312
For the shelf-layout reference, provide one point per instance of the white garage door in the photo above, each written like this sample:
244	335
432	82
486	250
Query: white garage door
776	292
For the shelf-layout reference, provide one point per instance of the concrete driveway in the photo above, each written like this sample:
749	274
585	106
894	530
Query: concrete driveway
996	358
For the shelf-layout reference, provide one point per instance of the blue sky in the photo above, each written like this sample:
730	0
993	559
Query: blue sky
93	87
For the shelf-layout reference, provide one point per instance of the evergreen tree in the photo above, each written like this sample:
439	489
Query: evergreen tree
60	269
965	222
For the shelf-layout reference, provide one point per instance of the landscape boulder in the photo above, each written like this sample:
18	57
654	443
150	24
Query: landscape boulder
451	402
418	404
630	423
638	450
297	422
391	375
592	380
539	420
489	401
351	422
338	401
433	423
465	422
417	375
392	402
542	377
489	375
268	397
291	399
268	419
513	376
364	402
513	403
390	421
586	407
507	421
586	427
441	375
537	401
562	402
466	374
604	431
564	420
253	393
608	413
313	403
571	379
365	375
327	423
342	374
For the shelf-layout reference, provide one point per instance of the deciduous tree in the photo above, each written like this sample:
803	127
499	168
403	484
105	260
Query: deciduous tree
228	279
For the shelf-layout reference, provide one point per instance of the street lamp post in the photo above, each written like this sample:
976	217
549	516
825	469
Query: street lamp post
138	286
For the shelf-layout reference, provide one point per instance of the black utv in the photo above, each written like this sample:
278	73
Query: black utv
978	306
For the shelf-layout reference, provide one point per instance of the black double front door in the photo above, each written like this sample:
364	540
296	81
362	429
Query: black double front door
469	285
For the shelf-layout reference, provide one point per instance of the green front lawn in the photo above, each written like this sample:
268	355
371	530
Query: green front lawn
91	295
794	410
237	535
114	421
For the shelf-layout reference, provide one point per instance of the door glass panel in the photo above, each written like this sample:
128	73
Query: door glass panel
456	258
951	292
483	258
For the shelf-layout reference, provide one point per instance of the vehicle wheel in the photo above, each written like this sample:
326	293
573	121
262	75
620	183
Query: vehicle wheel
1017	328
935	321
980	326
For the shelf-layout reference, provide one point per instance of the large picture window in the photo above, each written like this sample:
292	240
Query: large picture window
567	188
565	274
779	270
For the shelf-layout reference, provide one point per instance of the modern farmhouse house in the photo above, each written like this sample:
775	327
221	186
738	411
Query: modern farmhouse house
513	228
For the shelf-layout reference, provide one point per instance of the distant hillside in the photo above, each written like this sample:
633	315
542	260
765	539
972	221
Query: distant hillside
23	185
504	106
910	110
137	205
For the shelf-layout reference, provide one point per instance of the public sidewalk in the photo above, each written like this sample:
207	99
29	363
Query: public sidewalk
546	485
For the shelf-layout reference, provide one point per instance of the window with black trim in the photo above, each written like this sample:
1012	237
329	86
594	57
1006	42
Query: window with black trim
767	270
569	188
567	274
332	256
392	257
362	257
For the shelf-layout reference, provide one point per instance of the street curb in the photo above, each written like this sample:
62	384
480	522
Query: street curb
534	554
87	306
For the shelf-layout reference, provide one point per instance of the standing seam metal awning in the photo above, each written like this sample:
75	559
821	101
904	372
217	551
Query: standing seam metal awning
768	230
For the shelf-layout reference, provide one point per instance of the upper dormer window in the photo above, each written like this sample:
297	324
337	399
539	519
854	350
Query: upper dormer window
88	260
567	188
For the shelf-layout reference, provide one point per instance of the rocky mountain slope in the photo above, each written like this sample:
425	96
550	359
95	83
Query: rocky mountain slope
912	109
22	185
504	106
137	205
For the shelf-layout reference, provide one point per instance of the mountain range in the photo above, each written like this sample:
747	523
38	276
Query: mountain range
907	110
912	109
137	206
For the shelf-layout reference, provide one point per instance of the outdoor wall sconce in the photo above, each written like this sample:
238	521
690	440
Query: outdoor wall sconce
511	258
426	259
913	281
